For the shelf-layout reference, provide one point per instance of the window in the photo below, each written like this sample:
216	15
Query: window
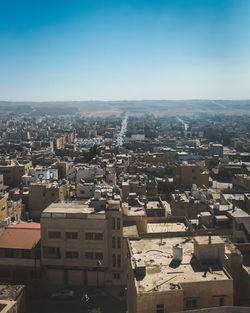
118	243
9	253
51	252
113	242
119	260
221	301
71	235
113	223
94	236
118	223
71	254
26	254
98	236
160	308
113	260
191	304
54	234
116	275
94	255
99	256
89	236
89	255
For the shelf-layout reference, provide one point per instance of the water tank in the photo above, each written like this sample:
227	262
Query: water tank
97	194
177	252
140	268
216	206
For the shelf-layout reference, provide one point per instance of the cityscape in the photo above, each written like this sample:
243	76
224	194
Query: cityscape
124	156
124	212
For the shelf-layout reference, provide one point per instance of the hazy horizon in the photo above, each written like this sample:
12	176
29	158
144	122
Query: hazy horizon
109	50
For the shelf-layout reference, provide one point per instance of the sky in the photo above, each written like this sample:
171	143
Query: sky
121	50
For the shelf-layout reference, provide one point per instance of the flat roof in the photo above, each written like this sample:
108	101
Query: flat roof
162	273
165	227
130	231
133	211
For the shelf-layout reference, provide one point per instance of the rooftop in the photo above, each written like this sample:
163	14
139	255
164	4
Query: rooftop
162	273
73	209
165	227
20	236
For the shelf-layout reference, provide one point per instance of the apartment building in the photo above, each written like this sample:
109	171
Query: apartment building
188	174
20	253
41	195
12	173
176	274
82	243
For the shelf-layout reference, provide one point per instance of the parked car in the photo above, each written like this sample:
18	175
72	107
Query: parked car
64	294
96	292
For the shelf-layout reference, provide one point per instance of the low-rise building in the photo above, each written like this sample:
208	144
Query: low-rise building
176	274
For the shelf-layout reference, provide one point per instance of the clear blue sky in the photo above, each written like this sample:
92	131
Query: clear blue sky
134	49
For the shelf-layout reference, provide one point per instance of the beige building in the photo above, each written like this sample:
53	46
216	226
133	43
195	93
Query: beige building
176	274
184	204
189	174
12	173
3	205
20	253
241	182
82	243
12	299
41	195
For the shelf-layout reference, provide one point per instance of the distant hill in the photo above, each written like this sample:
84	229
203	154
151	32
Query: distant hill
171	107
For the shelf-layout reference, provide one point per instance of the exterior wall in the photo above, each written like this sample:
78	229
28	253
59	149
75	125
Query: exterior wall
41	196
81	245
132	187
115	218
247	203
172	300
12	174
1	179
244	297
88	173
209	252
186	175
190	210
85	191
208	293
3	206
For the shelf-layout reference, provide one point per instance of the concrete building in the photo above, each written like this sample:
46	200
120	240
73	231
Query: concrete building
216	149
3	206
241	182
20	253
82	243
12	173
41	195
88	173
176	274
190	203
12	299
188	174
